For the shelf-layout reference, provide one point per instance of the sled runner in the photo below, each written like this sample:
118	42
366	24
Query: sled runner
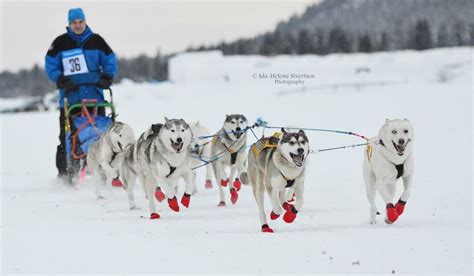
84	123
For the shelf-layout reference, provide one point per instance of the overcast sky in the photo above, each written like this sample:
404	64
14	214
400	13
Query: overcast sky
134	27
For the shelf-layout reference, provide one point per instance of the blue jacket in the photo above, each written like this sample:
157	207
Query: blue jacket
83	59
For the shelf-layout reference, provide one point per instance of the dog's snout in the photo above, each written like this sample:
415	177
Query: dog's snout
401	141
300	150
238	129
179	140
196	146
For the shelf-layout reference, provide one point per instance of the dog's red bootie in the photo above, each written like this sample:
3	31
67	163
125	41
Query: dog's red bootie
237	184
234	196
154	216
392	214
287	206
274	216
185	200
400	206
266	229
208	184
290	215
173	204
116	182
224	182
159	195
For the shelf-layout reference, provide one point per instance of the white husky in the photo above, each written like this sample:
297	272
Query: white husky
160	157
201	150
389	157
278	166
229	144
103	152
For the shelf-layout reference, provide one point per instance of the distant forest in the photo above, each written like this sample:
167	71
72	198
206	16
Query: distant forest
295	37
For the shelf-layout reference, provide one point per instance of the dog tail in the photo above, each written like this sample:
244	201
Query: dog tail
244	178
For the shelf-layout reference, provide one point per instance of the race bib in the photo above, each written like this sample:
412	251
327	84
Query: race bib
74	62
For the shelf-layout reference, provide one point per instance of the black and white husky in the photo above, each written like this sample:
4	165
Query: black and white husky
103	152
389	157
229	144
278	165
201	151
159	158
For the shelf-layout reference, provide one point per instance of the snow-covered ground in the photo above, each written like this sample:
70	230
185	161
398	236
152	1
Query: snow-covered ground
50	228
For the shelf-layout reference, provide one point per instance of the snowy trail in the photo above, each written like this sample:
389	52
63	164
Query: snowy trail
49	228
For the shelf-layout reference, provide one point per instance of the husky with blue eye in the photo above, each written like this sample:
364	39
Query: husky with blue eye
277	165
389	157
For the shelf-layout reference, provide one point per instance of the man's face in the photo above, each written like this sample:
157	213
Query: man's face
78	26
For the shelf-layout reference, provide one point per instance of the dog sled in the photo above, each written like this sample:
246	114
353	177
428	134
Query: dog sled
84	123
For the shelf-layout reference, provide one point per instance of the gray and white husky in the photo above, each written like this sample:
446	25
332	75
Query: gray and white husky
229	144
103	152
388	157
159	158
278	166
201	150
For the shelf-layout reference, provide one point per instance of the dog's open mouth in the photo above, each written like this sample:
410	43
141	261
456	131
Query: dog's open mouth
177	146
298	159
400	148
238	134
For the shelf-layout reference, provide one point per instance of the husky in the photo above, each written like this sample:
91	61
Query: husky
159	158
388	157
228	144
201	150
278	166
103	152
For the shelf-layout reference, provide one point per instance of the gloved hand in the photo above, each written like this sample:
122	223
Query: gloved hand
66	84
105	81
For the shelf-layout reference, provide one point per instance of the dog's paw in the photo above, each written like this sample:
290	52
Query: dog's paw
274	216
266	229
400	206
373	221
234	196
134	207
173	204
221	204
117	183
287	206
237	184
185	200
159	195
224	182
154	216
290	215
100	198
392	214
208	184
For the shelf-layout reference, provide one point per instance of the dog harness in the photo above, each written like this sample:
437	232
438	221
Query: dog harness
233	154
399	167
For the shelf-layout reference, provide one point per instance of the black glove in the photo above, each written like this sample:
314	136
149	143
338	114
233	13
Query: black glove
66	84
105	81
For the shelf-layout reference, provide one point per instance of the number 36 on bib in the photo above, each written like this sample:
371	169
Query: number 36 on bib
74	62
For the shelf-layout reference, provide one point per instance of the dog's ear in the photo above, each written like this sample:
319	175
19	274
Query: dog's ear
166	119
197	124
301	132
156	127
387	120
406	120
283	130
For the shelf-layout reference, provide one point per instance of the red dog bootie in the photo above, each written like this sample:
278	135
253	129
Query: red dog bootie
234	196
400	206
159	195
224	182
185	200
290	215
173	204
287	206
266	229
237	184
392	214
274	216
154	216
208	184
116	182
